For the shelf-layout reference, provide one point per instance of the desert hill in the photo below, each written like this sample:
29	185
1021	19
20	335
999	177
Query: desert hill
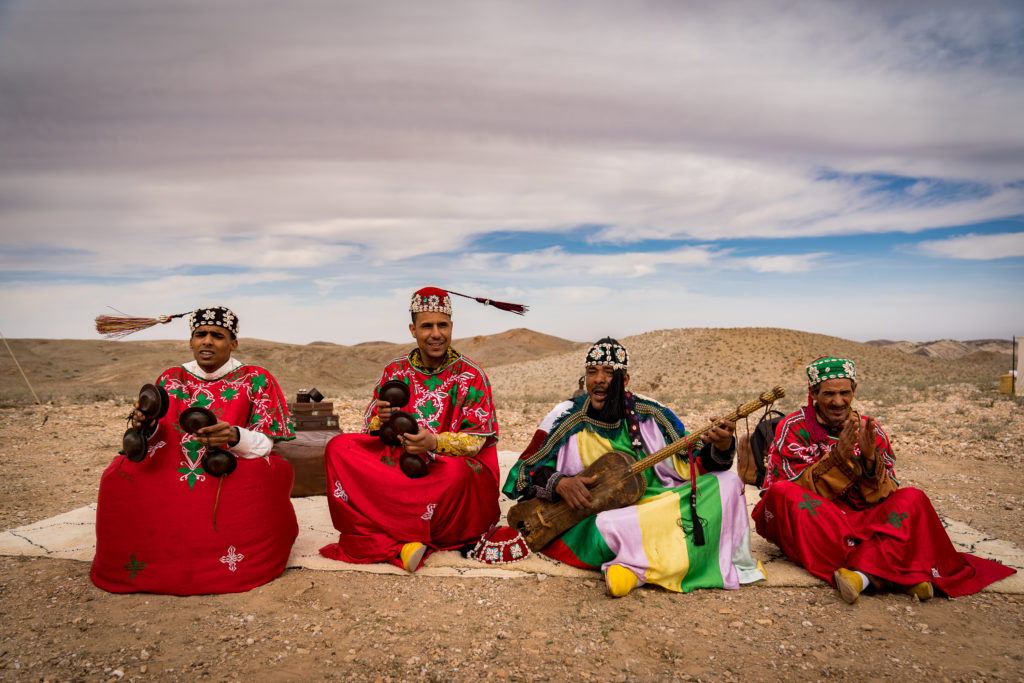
77	369
674	366
680	366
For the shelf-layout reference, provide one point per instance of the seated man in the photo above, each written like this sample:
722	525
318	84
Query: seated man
831	501
164	524
384	515
653	540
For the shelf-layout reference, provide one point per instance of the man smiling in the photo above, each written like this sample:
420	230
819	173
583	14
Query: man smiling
382	514
831	501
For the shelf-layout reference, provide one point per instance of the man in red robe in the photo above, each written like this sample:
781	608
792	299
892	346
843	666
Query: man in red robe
165	524
382	514
832	502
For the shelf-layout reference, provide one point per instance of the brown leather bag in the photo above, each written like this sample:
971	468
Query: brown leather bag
752	449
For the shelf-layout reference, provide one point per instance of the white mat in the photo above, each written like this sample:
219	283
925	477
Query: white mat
72	536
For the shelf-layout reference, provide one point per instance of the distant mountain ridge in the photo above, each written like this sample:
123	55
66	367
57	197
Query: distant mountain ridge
677	365
947	348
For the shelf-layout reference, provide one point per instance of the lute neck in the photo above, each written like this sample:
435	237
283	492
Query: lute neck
765	399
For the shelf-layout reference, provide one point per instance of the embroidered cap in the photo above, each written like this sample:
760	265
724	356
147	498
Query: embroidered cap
500	545
825	368
214	315
431	300
607	352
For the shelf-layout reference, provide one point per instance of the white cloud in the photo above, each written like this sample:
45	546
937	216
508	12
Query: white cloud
333	149
976	247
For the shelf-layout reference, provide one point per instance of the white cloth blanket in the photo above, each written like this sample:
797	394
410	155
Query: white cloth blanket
72	536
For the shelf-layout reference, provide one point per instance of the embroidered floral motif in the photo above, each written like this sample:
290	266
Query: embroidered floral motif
134	567
896	519
809	504
232	558
429	514
339	492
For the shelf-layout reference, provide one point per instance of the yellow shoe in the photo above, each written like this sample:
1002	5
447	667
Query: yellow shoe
620	580
412	555
923	591
849	583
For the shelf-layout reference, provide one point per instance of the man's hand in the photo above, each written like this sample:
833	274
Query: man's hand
383	411
721	434
422	441
574	491
849	436
866	439
218	435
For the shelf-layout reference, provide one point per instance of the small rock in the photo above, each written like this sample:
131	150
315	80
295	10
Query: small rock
867	627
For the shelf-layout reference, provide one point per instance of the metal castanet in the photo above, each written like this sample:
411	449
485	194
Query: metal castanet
619	484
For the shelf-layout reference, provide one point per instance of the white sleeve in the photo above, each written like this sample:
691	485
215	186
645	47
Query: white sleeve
252	444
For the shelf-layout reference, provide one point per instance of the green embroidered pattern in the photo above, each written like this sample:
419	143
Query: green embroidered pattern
179	394
896	519
229	393
427	410
202	400
432	382
134	567
809	504
258	382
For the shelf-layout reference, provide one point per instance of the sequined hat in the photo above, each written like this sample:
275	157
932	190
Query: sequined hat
431	300
825	368
214	315
436	300
608	352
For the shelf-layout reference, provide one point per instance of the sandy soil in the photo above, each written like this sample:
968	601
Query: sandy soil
955	437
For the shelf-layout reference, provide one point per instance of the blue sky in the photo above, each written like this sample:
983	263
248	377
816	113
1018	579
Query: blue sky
854	169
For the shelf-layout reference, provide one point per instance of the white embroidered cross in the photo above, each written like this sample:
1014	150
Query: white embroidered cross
430	511
339	492
232	558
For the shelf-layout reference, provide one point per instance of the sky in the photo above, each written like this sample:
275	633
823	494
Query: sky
854	169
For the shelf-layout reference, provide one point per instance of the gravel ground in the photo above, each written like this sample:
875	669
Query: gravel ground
963	443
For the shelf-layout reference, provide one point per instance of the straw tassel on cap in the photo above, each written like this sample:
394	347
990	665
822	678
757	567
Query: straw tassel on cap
115	327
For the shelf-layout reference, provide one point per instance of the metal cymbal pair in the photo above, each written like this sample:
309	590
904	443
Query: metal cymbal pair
397	394
216	462
153	402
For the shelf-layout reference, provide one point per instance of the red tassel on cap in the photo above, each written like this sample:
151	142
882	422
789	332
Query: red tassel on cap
115	327
518	309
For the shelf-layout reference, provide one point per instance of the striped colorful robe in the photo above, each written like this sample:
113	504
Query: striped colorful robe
652	537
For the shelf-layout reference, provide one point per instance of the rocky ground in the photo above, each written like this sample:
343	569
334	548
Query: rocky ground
958	439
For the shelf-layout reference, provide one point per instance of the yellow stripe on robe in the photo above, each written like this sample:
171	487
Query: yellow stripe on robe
664	542
592	446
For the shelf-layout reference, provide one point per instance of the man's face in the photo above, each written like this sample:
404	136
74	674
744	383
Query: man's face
211	346
599	378
433	334
832	402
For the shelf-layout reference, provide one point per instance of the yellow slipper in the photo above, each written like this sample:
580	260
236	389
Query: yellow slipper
620	580
924	591
849	583
412	555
